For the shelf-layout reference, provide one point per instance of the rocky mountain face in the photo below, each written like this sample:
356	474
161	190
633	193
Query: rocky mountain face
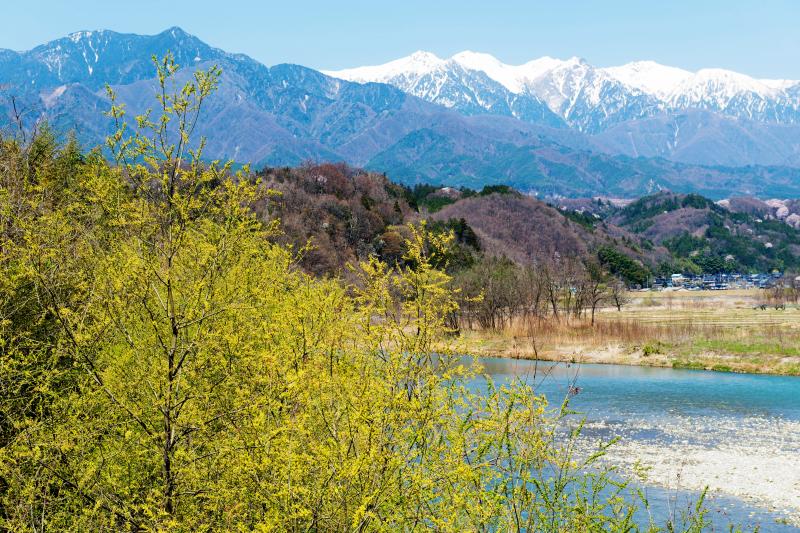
468	120
96	58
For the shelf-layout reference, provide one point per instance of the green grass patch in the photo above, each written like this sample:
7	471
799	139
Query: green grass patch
792	370
689	365
744	348
653	348
721	368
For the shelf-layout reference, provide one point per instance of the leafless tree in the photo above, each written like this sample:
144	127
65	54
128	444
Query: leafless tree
618	293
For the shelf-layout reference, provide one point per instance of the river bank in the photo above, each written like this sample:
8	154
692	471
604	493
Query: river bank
658	354
725	331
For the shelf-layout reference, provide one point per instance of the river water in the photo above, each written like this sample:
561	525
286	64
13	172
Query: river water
738	434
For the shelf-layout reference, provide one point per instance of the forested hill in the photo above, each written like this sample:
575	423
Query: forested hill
339	214
708	237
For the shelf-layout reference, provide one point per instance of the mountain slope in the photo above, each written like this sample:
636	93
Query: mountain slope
704	138
526	229
95	58
288	114
266	115
545	168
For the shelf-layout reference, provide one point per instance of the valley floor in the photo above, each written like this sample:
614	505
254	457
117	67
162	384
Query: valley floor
714	330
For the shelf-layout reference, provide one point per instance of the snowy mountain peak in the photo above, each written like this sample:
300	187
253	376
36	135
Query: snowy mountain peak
506	75
477	59
471	82
79	36
729	81
539	67
516	78
416	64
649	77
576	60
732	93
425	60
96	57
178	32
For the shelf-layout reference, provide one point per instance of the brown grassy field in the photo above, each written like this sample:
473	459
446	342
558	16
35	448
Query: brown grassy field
716	330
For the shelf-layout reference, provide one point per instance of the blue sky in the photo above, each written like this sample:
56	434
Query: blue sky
760	38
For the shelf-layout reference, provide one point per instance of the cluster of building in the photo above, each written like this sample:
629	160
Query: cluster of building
715	282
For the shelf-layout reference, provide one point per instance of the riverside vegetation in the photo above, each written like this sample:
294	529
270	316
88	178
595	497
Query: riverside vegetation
166	363
724	331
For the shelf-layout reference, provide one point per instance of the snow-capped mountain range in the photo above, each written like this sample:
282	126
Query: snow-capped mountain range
585	97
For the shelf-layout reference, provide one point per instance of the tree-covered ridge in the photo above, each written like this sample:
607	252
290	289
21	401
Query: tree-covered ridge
639	211
705	237
166	365
338	214
333	214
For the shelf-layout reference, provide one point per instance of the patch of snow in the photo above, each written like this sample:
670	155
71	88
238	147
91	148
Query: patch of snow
780	85
50	99
78	36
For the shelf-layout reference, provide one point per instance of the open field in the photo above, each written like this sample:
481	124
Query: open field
716	330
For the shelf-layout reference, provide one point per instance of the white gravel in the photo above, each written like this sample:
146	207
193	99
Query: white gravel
754	459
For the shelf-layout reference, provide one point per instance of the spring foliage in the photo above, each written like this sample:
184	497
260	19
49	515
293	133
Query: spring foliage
165	365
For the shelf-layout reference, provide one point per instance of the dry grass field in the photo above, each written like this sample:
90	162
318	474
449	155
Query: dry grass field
716	330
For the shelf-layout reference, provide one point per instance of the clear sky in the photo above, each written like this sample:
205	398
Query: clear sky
758	37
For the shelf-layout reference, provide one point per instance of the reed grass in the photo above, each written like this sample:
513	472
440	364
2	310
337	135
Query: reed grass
716	331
